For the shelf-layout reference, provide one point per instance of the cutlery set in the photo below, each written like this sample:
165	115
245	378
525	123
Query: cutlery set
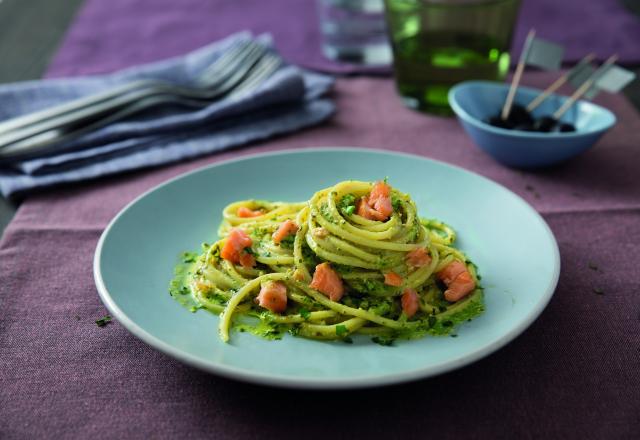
238	71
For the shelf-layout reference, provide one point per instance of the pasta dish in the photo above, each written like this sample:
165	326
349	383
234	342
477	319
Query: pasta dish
356	259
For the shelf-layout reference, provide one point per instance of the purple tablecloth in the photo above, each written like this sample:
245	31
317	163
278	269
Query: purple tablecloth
135	31
575	373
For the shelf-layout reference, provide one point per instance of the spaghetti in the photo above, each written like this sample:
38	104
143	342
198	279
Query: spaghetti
355	259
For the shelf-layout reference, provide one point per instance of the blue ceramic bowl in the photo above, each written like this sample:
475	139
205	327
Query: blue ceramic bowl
475	101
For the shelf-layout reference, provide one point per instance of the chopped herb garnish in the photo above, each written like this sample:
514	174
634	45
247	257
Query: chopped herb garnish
447	324
287	242
215	254
396	203
341	268
259	232
310	258
341	330
454	336
177	288
347	204
106	319
305	313
367	285
188	257
382	308
598	291
432	320
382	341
326	213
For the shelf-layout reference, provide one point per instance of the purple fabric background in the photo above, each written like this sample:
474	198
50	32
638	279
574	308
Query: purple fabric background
575	373
118	31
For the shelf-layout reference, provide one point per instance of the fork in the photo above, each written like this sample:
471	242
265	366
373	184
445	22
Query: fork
216	81
260	71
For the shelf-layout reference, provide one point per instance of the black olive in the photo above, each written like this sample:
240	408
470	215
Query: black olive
497	121
566	128
545	124
520	116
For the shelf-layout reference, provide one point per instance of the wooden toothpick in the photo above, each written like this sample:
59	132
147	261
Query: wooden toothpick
556	85
506	109
584	87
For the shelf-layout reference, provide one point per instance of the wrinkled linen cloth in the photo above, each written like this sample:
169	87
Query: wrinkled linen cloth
289	100
61	376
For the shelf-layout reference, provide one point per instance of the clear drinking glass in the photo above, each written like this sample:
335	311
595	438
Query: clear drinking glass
354	31
438	43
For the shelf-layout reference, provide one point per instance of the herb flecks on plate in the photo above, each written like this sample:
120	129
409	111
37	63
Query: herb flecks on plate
106	319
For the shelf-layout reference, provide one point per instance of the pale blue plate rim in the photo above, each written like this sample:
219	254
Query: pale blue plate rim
323	383
464	115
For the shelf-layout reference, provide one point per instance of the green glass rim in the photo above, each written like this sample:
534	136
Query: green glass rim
454	3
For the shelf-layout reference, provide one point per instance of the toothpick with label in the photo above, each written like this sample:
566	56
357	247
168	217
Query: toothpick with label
536	52
578	72
586	86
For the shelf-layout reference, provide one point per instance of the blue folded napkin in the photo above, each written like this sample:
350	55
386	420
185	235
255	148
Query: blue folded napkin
287	101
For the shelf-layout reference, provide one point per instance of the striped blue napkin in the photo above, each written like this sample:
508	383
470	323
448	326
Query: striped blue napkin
289	100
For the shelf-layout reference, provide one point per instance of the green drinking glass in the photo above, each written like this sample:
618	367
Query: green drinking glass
439	43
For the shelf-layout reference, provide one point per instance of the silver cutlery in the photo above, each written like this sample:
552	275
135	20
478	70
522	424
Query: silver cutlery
44	127
43	140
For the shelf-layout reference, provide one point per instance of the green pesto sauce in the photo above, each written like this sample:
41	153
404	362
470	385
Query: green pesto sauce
179	286
372	287
458	313
263	329
442	324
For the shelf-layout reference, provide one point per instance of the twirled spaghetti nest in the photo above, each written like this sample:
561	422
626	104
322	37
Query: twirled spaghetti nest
362	252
